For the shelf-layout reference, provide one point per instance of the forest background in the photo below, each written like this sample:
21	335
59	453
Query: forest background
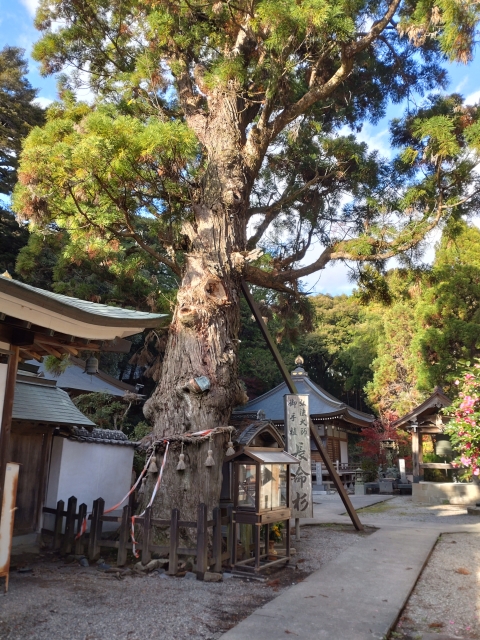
382	348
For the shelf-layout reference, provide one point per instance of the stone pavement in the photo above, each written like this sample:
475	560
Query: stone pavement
360	594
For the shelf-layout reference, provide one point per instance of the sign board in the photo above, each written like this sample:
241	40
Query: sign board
297	437
401	468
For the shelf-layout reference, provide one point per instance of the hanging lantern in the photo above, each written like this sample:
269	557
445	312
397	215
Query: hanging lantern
230	450
91	366
152	467
181	461
210	462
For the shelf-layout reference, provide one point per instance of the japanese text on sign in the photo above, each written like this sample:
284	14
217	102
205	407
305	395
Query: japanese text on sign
297	435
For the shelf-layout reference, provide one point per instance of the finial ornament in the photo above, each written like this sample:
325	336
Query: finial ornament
299	361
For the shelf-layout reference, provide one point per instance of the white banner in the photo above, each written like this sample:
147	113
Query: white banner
297	438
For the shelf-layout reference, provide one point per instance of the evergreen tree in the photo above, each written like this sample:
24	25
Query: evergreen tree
216	134
17	117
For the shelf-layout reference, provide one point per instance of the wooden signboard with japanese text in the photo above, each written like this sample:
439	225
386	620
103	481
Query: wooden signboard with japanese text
297	437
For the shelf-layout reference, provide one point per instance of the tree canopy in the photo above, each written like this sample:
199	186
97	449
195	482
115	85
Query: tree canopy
135	165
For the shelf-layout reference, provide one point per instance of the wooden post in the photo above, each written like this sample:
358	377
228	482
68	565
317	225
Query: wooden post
293	389
217	539
6	417
68	538
96	529
124	535
147	535
287	538
82	514
174	536
417	456
231	535
57	529
256	532
201	541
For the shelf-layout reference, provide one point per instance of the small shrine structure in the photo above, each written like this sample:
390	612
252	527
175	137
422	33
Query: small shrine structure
35	323
427	420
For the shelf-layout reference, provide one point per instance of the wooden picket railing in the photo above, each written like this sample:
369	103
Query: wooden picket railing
66	542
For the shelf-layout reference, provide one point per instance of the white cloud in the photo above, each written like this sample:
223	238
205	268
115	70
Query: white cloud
473	98
461	84
30	6
43	102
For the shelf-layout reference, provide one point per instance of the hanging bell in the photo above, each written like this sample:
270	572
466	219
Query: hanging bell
230	450
181	462
141	491
91	366
210	462
152	467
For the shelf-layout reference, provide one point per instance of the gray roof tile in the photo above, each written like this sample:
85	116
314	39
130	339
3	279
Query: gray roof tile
41	403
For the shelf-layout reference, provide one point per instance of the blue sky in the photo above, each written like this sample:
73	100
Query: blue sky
16	28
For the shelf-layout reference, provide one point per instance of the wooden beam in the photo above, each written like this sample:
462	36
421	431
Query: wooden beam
31	355
50	350
71	350
293	389
7	414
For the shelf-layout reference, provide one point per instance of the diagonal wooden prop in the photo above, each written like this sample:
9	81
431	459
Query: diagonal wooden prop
291	386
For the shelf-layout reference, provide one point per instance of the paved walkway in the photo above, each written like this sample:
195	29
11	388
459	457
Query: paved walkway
360	594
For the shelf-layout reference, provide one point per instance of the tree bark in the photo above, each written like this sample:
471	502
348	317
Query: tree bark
203	337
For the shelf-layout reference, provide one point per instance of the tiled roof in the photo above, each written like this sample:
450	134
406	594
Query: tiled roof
44	403
74	378
320	401
101	436
81	310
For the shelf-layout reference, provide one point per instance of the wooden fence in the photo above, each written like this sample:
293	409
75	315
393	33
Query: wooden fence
207	555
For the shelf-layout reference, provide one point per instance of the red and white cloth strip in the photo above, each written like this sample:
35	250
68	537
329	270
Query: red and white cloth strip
157	485
83	528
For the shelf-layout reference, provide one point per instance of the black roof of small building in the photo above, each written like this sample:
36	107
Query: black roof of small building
423	411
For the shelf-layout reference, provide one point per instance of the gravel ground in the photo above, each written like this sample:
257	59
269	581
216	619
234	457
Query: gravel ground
65	601
446	600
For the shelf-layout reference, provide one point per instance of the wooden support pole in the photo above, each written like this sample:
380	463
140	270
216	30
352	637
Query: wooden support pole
68	538
57	529
174	537
6	417
293	389
96	529
124	535
231	537
79	542
417	456
297	528
202	539
217	539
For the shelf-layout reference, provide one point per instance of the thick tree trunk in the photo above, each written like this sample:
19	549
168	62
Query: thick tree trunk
203	338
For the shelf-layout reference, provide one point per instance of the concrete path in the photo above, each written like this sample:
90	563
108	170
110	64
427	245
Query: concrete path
360	594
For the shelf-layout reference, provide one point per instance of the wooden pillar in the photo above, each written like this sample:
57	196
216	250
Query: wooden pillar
417	456
6	426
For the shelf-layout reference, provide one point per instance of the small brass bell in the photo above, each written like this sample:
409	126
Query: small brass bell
91	366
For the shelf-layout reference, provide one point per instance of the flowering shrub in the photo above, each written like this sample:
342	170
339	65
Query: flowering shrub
464	425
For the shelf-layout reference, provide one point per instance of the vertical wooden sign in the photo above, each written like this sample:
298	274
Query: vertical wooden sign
297	436
8	515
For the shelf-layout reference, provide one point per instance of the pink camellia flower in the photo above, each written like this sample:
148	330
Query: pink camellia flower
465	461
476	471
457	382
468	445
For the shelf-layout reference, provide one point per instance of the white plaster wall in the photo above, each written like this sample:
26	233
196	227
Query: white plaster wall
88	471
343	451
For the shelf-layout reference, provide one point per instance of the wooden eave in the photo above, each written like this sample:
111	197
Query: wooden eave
429	407
70	316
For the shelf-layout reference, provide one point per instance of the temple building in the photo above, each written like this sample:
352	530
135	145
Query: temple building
334	419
